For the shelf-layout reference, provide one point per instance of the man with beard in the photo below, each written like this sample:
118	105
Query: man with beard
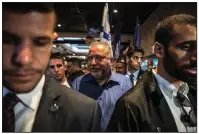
134	61
101	83
33	102
163	101
56	69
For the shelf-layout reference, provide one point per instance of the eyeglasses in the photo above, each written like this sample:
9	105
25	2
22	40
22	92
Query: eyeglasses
190	119
98	58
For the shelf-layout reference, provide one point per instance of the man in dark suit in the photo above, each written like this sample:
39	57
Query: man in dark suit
74	69
163	100
134	61
31	100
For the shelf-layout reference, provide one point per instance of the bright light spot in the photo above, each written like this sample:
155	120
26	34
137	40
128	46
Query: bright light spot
115	11
112	26
59	25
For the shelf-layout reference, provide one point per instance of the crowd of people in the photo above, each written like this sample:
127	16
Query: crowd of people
44	93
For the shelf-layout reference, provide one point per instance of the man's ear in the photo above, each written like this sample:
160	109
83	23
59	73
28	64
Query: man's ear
127	59
65	67
159	50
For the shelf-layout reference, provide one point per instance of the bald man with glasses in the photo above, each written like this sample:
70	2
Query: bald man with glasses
102	84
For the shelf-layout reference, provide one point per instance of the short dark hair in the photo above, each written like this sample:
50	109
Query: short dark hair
57	56
26	7
121	61
164	28
131	51
75	61
90	37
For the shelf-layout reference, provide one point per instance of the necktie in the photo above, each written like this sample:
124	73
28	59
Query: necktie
132	80
9	101
188	119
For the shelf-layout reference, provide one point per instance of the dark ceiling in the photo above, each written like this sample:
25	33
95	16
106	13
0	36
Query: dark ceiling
81	16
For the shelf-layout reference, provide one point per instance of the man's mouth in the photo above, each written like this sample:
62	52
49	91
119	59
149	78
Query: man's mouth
192	71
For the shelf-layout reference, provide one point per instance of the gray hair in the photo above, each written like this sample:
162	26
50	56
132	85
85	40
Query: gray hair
109	47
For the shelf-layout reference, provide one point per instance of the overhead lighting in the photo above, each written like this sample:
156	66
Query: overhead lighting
59	25
115	11
112	26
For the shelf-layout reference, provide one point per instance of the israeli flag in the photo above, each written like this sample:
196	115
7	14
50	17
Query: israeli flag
117	40
137	35
105	35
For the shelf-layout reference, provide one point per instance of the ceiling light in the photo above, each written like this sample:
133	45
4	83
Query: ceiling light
59	25
115	11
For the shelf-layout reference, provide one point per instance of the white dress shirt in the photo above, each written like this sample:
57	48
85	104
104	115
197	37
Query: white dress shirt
135	74
169	91
65	83
26	109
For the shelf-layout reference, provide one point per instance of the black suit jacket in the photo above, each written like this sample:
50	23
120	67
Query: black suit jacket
62	109
142	109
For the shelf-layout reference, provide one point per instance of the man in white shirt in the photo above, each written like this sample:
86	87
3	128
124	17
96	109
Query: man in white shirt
57	69
163	100
33	102
134	61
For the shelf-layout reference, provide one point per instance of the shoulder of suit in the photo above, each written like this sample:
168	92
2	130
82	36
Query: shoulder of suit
69	94
135	94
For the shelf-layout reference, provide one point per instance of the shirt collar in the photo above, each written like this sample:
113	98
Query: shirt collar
135	74
169	89
89	77
27	98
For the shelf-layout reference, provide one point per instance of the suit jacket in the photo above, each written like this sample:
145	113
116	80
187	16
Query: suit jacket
141	72
62	109
143	109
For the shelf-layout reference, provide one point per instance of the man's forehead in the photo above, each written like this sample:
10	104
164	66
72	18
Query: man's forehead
119	64
56	61
139	54
98	50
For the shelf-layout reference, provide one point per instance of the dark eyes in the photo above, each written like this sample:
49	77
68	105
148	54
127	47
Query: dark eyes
184	47
11	39
187	45
136	58
58	66
41	42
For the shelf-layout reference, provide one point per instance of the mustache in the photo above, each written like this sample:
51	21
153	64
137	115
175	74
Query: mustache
94	67
192	65
14	71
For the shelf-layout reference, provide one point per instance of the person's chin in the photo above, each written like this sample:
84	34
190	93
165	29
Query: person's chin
21	87
97	75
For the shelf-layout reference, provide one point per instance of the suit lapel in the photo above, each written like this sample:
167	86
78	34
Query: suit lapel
47	116
166	120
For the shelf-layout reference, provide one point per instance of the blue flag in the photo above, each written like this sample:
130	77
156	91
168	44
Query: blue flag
137	35
117	41
105	35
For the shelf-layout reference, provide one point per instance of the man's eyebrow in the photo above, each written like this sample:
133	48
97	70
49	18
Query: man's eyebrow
9	34
6	33
43	38
187	42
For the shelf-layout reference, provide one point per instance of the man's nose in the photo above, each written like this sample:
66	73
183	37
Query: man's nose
56	69
193	56
139	60
93	61
24	54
